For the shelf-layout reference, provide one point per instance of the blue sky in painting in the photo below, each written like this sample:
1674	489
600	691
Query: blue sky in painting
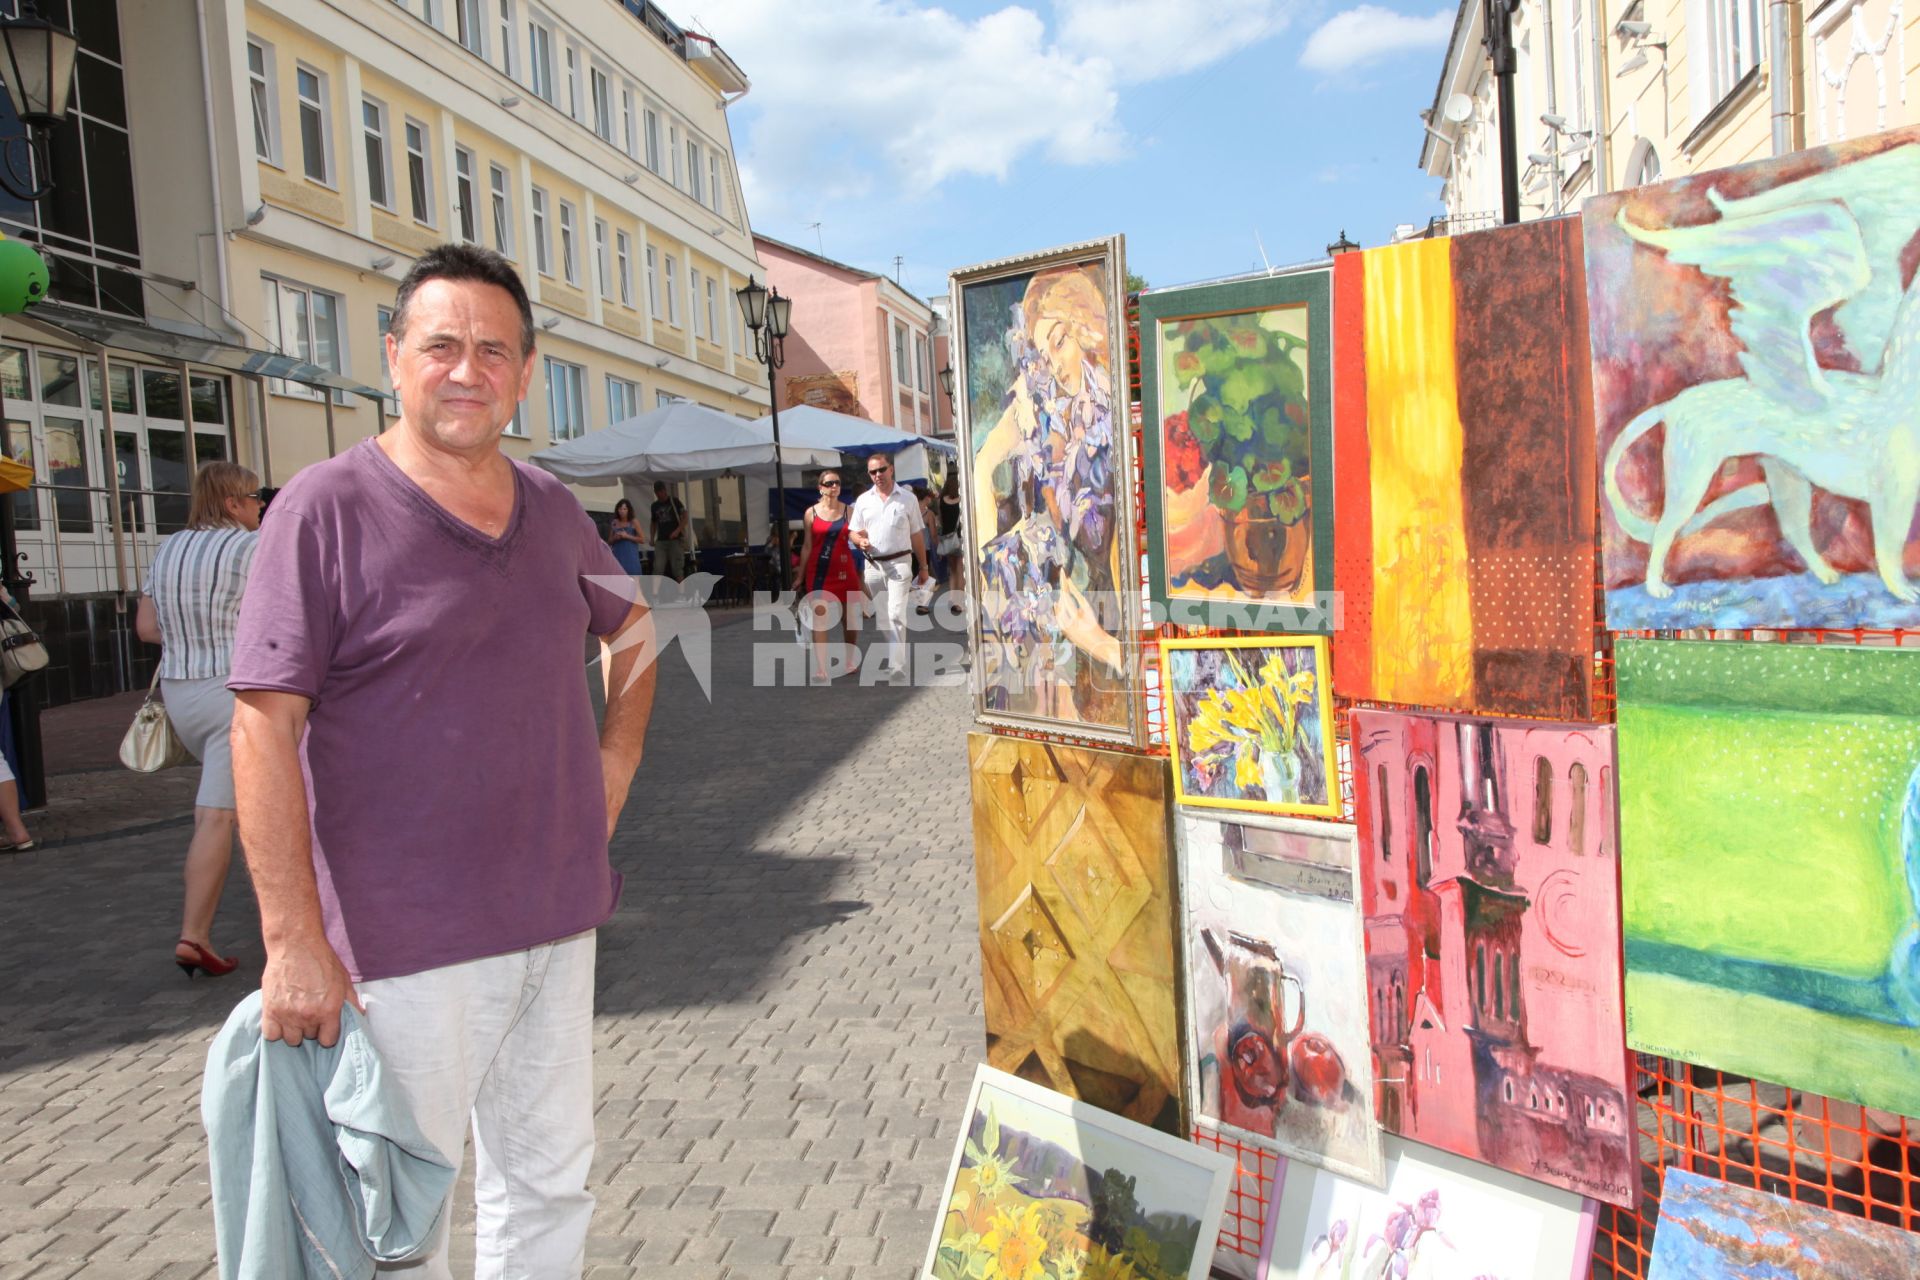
952	133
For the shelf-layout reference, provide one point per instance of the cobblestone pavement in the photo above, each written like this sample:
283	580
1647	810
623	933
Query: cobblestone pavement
788	1010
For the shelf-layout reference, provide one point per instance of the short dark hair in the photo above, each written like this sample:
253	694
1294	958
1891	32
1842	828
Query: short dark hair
463	262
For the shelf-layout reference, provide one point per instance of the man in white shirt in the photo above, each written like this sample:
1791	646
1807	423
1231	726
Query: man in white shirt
887	527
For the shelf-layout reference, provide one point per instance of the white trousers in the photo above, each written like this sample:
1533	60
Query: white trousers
507	1041
889	582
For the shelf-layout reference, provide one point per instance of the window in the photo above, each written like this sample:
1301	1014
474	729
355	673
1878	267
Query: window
661	399
920	363
463	193
1577	56
602	103
1732	42
623	399
419	173
673	151
430	10
569	264
602	265
542	235
469	27
266	131
902	374
504	33
566	399
540	60
373	127
1542	800
303	323
626	120
623	259
713	312
673	293
693	300
573	81
653	284
502	210
696	183
713	180
315	141
653	139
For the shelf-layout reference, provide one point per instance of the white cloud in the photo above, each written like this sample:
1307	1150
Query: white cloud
866	96
1368	33
1150	39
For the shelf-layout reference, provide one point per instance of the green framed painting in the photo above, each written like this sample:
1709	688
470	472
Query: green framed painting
1236	384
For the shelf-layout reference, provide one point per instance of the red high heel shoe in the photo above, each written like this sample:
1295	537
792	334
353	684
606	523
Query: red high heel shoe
212	965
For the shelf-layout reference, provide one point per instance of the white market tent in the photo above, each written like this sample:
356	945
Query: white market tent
679	441
812	427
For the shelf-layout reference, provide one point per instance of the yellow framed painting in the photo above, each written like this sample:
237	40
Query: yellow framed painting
1250	723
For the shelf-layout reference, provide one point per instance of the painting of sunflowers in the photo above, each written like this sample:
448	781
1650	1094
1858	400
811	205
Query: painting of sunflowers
1043	1187
1251	724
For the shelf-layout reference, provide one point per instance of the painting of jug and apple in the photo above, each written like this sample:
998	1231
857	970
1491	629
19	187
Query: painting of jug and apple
1277	1030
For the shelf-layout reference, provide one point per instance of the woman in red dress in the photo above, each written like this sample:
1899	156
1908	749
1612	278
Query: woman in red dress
827	577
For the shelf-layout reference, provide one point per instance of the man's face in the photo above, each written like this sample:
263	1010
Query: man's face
881	473
459	370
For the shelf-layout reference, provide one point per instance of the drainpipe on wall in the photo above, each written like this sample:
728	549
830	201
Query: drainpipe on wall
1780	17
213	159
1602	122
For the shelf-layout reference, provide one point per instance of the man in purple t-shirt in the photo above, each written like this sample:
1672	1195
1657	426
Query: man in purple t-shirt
423	802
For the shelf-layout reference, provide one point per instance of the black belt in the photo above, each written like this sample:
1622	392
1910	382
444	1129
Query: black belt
895	556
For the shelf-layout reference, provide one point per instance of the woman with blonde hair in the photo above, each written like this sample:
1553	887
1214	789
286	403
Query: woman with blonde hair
1045	489
189	608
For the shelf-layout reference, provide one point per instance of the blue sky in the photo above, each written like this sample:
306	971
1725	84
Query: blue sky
958	132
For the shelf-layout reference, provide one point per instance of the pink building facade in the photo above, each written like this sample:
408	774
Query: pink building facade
858	343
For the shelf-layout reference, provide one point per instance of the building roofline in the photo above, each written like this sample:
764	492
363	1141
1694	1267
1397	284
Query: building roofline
818	257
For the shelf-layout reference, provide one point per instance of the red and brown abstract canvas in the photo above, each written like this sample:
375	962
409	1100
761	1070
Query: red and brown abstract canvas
1464	475
1490	891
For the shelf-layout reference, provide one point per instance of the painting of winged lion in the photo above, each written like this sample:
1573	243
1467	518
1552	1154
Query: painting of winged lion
1756	356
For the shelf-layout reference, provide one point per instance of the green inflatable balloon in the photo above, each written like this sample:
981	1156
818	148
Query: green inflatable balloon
23	277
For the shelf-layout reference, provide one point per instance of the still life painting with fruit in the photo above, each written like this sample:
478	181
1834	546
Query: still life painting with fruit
1277	992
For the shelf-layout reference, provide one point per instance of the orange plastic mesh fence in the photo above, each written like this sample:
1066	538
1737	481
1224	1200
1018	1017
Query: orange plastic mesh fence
1250	1196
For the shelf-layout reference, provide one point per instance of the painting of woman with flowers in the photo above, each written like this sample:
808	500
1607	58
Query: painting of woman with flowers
1251	724
1044	420
1236	383
1046	1188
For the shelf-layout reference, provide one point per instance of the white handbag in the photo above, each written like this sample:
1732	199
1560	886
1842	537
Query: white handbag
151	743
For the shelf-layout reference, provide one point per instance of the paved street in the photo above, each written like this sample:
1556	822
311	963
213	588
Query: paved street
788	1010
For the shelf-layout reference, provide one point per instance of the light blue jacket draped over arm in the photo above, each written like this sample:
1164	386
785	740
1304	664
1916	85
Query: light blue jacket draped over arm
318	1168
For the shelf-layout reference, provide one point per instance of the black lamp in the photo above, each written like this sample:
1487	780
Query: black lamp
767	315
38	68
1342	245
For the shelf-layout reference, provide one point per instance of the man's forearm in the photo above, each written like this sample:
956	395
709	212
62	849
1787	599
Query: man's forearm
272	804
920	552
629	688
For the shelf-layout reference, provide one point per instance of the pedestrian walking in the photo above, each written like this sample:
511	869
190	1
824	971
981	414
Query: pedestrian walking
887	527
19	839
827	575
948	548
623	535
412	644
190	608
670	540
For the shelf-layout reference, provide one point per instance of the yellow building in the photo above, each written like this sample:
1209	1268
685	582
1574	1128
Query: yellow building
258	175
1611	94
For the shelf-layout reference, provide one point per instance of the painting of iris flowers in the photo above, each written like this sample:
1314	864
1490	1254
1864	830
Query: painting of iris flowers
1251	724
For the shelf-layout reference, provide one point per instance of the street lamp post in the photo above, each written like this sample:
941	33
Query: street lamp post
36	60
767	313
36	65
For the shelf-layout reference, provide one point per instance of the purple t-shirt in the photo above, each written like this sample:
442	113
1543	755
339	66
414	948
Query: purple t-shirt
453	770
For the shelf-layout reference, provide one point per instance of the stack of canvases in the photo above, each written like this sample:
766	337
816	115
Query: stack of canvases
1408	1026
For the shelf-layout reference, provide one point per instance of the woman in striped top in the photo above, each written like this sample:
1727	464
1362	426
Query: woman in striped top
190	606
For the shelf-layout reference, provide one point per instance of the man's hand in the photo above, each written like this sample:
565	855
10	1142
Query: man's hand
301	993
861	540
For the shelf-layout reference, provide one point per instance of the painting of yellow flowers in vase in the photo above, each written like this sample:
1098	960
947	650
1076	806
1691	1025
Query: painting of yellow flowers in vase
1043	1187
1250	722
